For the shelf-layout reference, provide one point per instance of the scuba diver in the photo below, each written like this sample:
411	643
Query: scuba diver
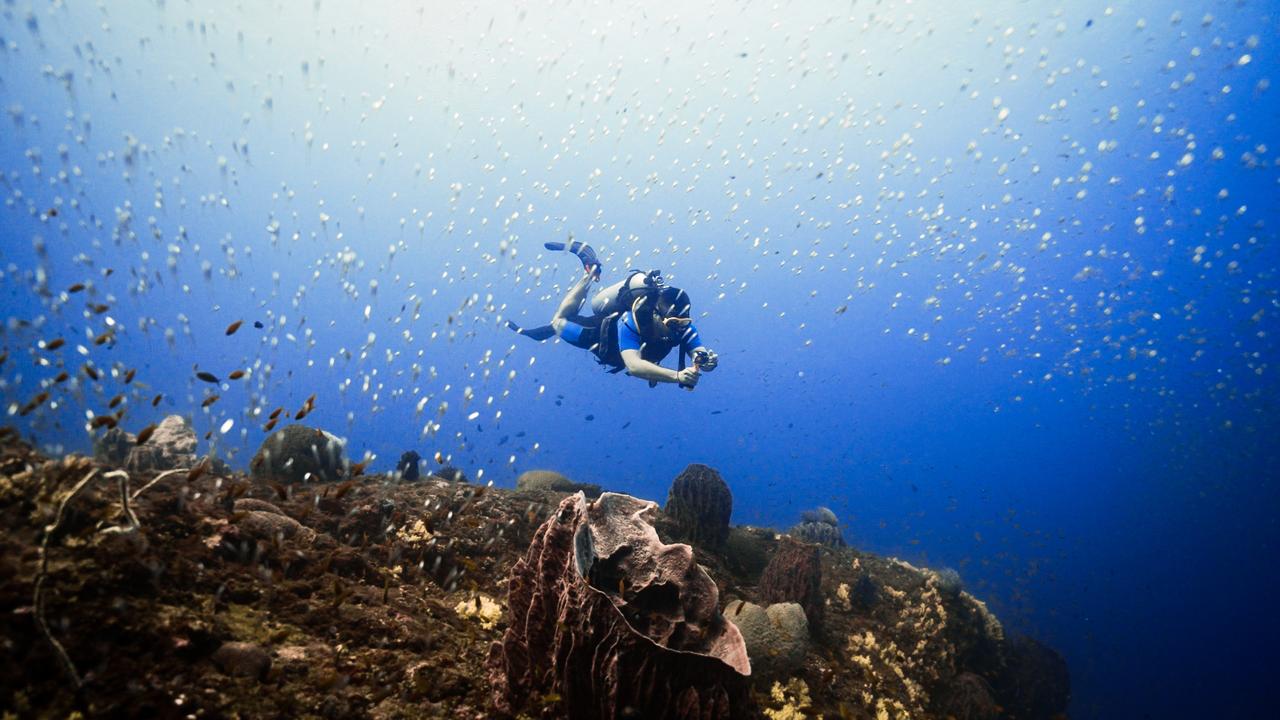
635	323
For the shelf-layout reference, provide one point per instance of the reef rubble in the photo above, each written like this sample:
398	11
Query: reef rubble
201	592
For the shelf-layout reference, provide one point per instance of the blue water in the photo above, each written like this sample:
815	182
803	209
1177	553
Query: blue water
997	285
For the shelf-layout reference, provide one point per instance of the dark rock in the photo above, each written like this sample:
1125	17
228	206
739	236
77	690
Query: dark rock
607	617
1035	683
451	474
297	453
746	550
975	633
300	659
366	520
172	445
408	466
428	680
821	533
549	480
268	526
865	594
700	504
112	449
968	697
243	659
795	575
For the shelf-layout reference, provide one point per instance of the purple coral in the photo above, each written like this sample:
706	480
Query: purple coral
614	622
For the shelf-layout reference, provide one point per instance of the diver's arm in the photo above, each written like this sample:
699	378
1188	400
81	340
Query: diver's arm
645	370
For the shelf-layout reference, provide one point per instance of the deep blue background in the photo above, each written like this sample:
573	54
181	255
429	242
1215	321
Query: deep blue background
923	323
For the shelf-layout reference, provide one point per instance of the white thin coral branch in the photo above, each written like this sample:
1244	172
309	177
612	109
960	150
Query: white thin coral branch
158	478
133	525
37	597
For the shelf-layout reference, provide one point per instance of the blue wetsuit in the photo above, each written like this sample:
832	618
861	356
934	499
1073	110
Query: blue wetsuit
629	339
587	337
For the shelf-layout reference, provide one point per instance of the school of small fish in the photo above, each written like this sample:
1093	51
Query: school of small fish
311	206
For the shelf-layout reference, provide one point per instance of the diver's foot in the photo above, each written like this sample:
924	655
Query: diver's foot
584	252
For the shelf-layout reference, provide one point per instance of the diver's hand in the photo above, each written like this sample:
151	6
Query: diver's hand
707	359
688	377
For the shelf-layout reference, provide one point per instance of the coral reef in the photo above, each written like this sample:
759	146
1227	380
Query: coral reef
820	526
383	599
297	453
551	481
407	468
777	637
608	619
795	575
700	504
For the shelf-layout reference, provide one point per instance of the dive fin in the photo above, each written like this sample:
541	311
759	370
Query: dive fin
540	333
579	248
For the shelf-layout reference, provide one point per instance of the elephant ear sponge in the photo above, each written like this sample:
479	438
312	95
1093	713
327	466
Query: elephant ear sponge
700	504
604	620
795	575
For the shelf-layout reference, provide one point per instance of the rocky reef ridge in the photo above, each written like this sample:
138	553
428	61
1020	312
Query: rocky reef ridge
201	592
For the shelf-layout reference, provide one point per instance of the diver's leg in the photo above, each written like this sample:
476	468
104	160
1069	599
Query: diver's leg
571	304
540	333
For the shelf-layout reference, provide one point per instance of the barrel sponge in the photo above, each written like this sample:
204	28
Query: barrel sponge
795	575
700	504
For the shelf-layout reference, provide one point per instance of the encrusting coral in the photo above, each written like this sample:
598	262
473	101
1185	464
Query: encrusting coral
482	608
790	701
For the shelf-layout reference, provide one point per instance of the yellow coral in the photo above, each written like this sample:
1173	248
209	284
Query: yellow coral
990	622
415	533
891	710
893	592
481	607
842	593
792	700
